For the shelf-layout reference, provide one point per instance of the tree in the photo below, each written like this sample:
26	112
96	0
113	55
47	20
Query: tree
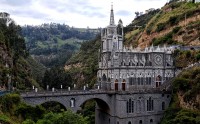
66	117
56	77
137	14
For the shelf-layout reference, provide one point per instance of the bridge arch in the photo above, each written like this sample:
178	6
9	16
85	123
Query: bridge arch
53	106
72	101
40	101
101	104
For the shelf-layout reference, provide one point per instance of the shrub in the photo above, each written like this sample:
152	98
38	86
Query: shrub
188	54
66	117
28	121
160	27
181	84
173	20
165	39
9	101
29	112
148	31
176	29
197	57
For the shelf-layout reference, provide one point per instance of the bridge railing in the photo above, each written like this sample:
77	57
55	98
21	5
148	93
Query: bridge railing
89	92
63	92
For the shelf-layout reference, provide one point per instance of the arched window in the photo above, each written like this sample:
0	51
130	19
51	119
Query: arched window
140	122
151	121
138	80
124	81
129	63
158	80
130	106
142	81
139	106
163	105
148	80
130	81
129	122
150	104
116	85
104	77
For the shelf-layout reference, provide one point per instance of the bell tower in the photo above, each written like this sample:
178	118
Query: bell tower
111	40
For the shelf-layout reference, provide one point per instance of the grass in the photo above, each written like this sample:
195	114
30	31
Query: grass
132	33
179	10
72	41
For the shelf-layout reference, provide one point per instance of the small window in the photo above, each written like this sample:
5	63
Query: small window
140	122
151	121
163	105
129	122
130	106
150	104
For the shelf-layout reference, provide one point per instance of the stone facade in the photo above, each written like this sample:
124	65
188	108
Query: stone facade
138	74
127	69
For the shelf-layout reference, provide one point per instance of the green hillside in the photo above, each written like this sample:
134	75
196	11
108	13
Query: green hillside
185	105
15	71
83	65
175	23
53	44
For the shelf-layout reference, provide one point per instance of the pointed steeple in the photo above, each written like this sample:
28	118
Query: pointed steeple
112	21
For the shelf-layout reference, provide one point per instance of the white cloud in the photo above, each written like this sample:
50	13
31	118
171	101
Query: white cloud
78	13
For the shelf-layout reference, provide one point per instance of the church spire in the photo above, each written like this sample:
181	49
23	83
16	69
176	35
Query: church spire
112	21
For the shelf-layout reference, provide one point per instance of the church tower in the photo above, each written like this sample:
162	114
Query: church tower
111	40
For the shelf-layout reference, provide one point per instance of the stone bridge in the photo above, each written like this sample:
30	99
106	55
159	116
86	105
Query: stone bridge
110	105
72	100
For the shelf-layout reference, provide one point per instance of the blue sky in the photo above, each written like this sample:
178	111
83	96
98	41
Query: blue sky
77	13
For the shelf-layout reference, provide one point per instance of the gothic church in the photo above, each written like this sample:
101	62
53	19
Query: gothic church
135	76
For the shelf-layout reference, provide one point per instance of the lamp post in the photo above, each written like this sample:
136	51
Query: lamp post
61	87
9	82
16	85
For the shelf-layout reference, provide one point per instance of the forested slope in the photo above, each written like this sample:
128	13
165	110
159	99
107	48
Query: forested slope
15	71
175	23
53	44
